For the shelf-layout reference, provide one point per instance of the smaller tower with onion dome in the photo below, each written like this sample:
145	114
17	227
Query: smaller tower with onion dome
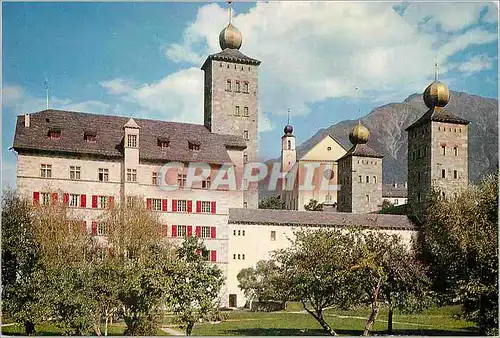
437	150
288	152
360	175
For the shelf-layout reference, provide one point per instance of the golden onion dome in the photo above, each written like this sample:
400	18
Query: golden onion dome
359	134
230	37
436	94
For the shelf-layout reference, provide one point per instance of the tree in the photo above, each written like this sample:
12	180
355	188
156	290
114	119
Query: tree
386	204
195	296
271	202
460	242
316	270
259	283
313	205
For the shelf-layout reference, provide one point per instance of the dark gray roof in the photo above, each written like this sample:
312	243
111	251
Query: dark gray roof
231	55
388	190
363	150
109	132
438	114
318	218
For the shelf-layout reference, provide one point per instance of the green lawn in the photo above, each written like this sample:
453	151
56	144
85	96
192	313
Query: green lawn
50	329
433	322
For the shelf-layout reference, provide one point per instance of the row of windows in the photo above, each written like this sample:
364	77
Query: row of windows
238	87
424	151
421	132
456	130
235	67
240	256
367	179
73	200
158	204
237	111
343	199
443	174
420	198
179	231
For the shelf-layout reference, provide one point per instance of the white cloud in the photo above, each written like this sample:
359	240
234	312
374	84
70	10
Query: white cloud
117	86
475	64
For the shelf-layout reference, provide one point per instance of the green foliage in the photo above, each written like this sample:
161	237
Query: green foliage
271	202
259	283
386	204
460	241
197	283
313	205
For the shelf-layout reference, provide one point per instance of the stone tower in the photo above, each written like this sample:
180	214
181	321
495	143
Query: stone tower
360	175
231	97
437	151
288	152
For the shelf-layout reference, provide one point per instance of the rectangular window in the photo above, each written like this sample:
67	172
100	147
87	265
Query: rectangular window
374	179
155	180
205	232
131	175
181	205
360	179
245	205
455	151
443	150
132	141
55	134
367	198
443	173
245	87
367	179
102	202
205	207
90	137
46	170
181	180
243	233
101	229
228	85
74	173
237	86
245	111
193	146
205	184
237	110
182	231
74	200
44	198
273	235
396	202
103	175
242	256
245	158
455	174
163	143
156	204
245	135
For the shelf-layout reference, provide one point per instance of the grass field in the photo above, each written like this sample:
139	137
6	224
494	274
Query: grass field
433	322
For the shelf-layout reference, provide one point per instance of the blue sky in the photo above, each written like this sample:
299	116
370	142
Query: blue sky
143	59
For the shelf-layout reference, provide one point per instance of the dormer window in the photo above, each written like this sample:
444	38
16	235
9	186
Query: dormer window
54	133
90	137
194	146
163	142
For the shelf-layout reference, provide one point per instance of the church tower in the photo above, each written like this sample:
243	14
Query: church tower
231	97
288	152
437	150
360	175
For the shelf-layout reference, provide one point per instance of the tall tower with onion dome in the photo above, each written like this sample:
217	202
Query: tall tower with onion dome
288	152
360	175
437	150
231	96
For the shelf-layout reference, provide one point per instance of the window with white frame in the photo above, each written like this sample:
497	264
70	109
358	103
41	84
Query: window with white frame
245	87
45	198
273	235
155	180
131	175
46	170
181	180
182	231
205	232
245	205
205	184
245	111
237	86
245	135
132	141
228	85
74	172
74	200
205	207
103	174
156	204
237	110
181	205
102	202
101	229
367	198
455	151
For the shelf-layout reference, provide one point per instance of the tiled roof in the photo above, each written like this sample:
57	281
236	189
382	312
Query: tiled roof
232	55
388	190
362	150
109	132
318	218
439	114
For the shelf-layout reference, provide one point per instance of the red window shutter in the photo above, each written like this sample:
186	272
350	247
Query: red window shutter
212	232
174	230
174	205
66	198
84	227
149	203
198	206
214	255
83	201
36	198
94	228
213	207
111	201
198	231
164	205
94	201
54	197
190	206
198	251
189	230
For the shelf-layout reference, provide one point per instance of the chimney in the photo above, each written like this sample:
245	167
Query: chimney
27	120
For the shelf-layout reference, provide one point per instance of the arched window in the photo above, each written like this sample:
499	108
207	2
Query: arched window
289	144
